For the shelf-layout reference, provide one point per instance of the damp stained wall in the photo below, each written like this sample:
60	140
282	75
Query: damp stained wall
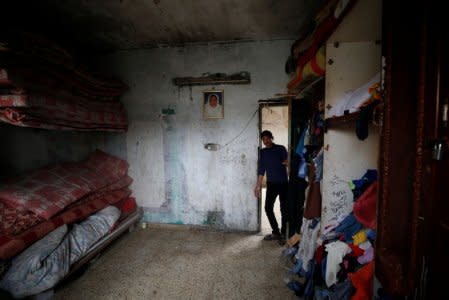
176	179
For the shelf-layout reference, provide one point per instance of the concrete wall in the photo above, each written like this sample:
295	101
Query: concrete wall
24	149
176	179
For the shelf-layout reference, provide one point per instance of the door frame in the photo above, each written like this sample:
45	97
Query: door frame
272	103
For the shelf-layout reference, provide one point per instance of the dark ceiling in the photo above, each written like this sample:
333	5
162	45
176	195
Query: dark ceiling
108	25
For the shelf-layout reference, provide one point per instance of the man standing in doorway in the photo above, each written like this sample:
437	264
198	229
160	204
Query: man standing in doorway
273	162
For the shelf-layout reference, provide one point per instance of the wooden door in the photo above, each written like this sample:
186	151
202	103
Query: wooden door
413	212
433	115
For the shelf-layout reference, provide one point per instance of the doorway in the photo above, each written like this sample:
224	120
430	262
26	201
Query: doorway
273	116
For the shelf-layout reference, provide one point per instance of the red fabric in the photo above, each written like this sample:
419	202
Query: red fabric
41	59
46	191
62	110
320	35
362	280
60	125
312	207
124	182
127	207
56	118
366	206
12	100
319	254
356	251
13	221
80	117
107	165
60	101
62	94
44	75
316	68
49	190
10	246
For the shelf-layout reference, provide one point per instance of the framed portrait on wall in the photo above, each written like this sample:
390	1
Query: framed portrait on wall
213	104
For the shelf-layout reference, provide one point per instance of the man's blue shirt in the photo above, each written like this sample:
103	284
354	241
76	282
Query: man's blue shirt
270	161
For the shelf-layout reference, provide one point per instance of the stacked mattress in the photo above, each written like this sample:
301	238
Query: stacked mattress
43	200
42	86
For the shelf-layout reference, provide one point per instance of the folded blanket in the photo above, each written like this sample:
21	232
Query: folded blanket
49	190
12	245
14	221
60	125
44	193
66	102
109	166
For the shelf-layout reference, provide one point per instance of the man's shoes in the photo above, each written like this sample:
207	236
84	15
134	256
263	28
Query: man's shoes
282	240
272	237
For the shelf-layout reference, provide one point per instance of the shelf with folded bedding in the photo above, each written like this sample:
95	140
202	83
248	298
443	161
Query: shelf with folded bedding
349	119
346	119
43	86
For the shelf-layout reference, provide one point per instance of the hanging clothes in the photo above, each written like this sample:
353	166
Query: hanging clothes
313	202
306	251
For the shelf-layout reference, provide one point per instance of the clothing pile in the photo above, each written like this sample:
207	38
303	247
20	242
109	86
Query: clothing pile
40	202
42	86
336	262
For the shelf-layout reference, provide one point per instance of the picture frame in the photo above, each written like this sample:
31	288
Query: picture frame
213	104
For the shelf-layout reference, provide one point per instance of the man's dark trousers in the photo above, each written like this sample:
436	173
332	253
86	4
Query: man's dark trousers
274	190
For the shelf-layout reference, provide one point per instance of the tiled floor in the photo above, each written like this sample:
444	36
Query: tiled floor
182	263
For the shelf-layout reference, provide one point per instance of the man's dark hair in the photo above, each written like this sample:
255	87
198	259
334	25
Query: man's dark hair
266	133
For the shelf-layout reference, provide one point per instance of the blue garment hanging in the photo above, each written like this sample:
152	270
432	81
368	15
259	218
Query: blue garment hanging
300	146
302	169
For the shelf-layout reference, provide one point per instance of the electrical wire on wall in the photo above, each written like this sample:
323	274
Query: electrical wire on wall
215	147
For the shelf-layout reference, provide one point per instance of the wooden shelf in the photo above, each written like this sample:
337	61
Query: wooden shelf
240	78
334	122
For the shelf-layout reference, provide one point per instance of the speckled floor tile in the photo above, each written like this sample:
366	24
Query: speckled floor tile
168	263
